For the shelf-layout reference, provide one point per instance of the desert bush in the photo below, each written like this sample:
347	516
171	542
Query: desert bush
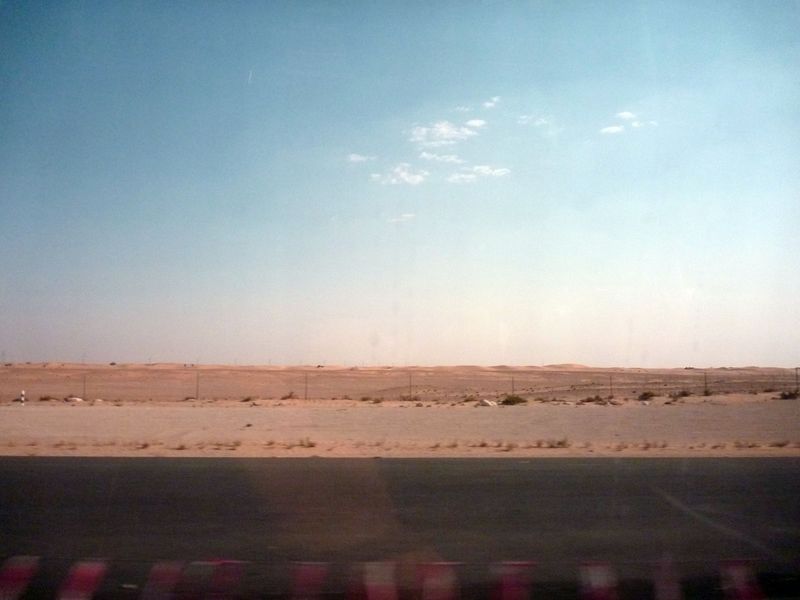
288	396
680	394
646	395
593	399
512	400
788	396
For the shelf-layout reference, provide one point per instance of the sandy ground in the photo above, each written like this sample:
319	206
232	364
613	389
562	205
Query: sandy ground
151	410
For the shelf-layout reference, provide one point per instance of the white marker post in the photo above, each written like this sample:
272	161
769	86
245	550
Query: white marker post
598	582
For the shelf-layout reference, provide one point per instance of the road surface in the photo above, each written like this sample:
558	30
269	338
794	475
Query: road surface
558	512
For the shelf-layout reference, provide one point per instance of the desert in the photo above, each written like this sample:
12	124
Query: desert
387	411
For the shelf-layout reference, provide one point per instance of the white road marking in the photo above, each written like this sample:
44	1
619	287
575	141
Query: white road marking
724	529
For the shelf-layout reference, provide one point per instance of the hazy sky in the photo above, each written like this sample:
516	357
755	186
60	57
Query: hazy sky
613	183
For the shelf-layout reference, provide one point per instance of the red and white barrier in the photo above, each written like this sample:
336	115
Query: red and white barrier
598	581
308	579
163	578
225	579
438	581
512	580
15	576
380	582
83	580
739	581
667	585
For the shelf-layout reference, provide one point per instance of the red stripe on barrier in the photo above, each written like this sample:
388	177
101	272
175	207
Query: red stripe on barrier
308	579
439	581
83	580
15	575
380	581
739	581
513	580
161	583
225	579
598	581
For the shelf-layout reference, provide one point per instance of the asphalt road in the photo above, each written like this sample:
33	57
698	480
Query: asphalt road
559	512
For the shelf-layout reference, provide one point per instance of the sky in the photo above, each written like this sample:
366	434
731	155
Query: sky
407	183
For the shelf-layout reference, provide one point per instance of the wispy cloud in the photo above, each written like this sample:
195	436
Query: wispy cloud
546	125
487	171
445	158
475	123
463	109
471	174
462	178
630	119
401	174
491	102
441	133
404	218
359	158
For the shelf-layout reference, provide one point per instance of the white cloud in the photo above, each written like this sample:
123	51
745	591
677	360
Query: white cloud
462	178
401	174
463	109
441	133
491	102
546	125
487	171
637	124
534	120
626	115
475	123
470	174
612	129
405	217
445	158
358	158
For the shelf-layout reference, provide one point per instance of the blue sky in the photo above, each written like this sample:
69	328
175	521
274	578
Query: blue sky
374	183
